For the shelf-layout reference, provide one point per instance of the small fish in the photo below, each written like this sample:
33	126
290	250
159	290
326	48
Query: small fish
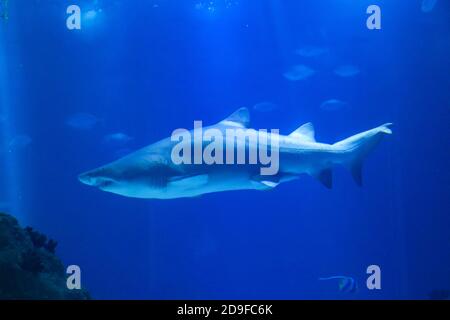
19	142
311	51
117	138
346	71
428	5
345	284
82	121
91	14
209	6
299	72
333	105
265	106
4	9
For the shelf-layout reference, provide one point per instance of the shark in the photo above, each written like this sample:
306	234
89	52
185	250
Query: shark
150	172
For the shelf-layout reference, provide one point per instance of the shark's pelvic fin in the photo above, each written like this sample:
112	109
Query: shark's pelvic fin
270	182
305	133
239	118
325	177
266	182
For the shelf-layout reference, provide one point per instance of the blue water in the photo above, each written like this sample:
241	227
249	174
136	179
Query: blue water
145	68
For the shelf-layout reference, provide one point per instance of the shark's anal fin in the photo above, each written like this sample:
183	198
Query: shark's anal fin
187	182
325	177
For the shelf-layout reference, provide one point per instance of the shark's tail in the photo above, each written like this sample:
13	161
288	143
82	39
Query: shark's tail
355	148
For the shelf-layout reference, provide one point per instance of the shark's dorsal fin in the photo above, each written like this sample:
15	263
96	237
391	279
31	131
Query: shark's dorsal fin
239	118
305	133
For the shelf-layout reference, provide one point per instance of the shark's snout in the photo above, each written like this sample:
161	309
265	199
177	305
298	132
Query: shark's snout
93	178
86	178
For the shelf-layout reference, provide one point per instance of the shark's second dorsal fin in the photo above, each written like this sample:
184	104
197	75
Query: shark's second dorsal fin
239	118
305	133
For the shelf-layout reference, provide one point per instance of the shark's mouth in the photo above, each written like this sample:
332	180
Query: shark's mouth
104	183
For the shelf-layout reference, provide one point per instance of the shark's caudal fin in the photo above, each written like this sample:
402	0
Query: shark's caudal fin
358	146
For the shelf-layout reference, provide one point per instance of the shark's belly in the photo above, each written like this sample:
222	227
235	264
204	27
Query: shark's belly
209	183
305	162
226	178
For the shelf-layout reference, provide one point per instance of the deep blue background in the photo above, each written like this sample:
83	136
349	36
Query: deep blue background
146	70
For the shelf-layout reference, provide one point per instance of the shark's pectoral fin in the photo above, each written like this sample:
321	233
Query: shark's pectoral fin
188	182
325	177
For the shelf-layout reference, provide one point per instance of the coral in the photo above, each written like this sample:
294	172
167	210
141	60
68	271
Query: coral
29	268
32	262
51	245
40	240
37	238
